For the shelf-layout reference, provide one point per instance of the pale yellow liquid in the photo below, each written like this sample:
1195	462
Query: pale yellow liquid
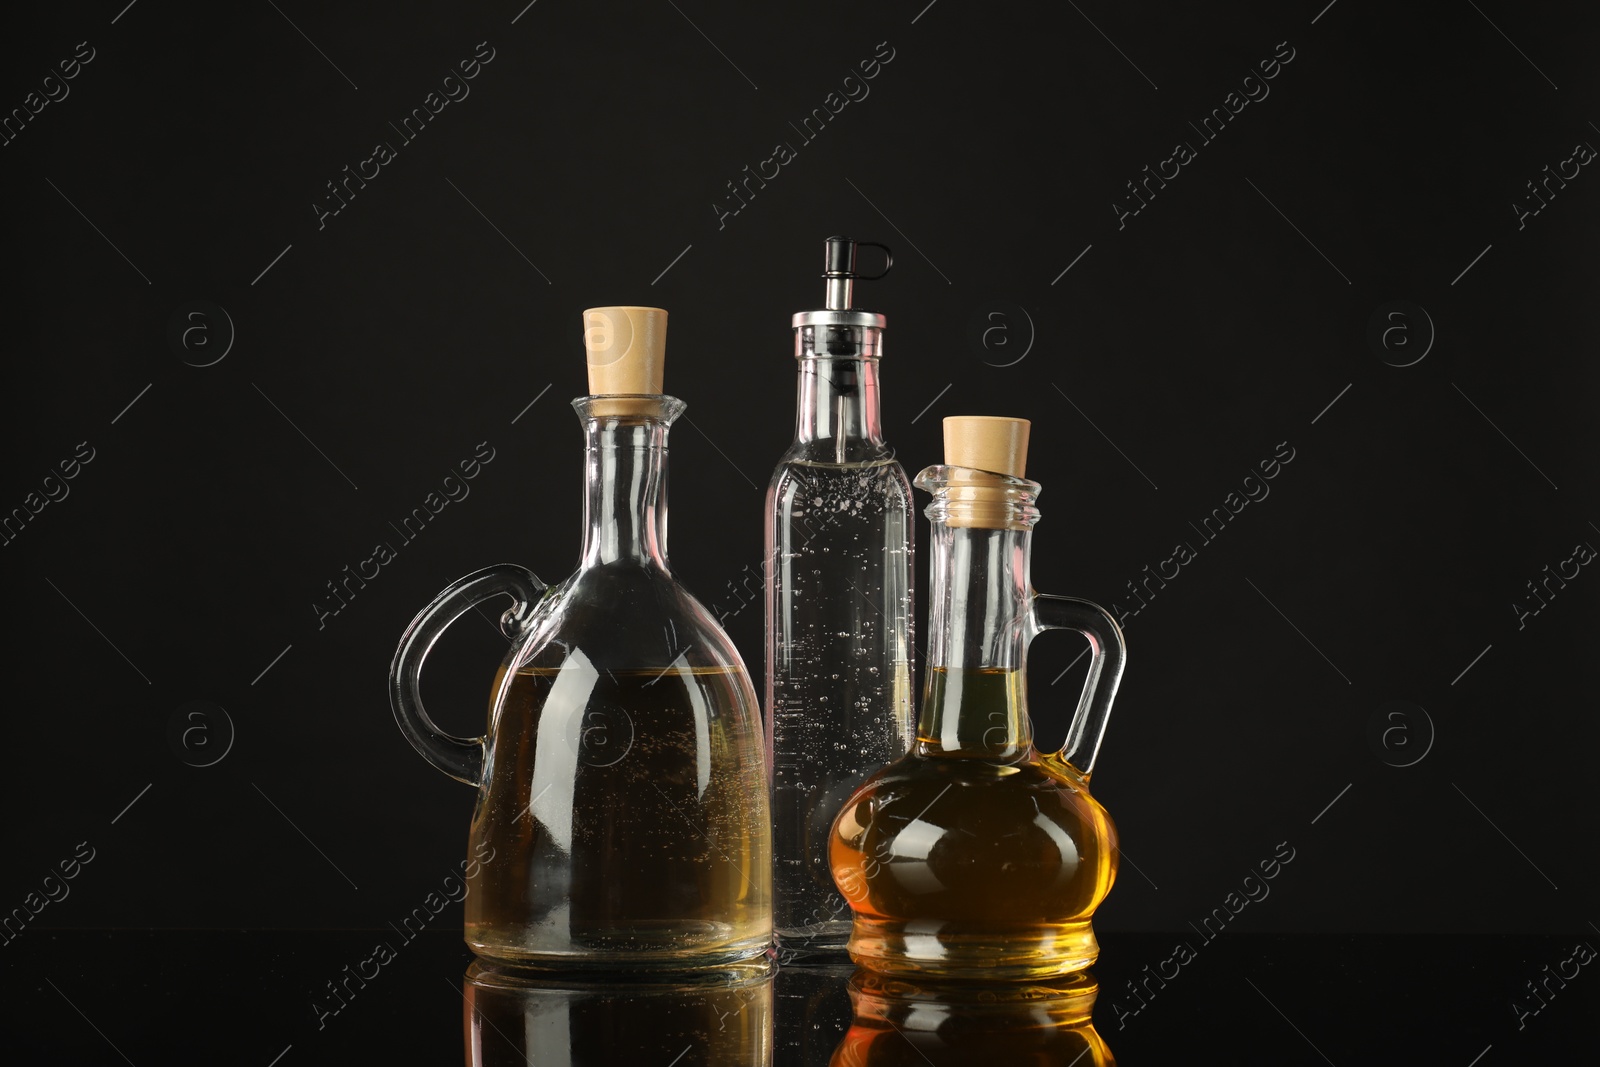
627	820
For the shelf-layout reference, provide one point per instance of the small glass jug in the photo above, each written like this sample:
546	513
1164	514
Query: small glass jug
622	818
974	855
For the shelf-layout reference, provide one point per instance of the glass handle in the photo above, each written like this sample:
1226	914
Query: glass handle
460	758
1105	673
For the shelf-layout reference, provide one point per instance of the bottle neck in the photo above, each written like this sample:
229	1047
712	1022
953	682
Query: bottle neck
625	490
837	416
975	699
838	403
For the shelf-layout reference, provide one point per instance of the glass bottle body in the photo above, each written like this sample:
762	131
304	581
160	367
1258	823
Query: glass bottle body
621	831
622	819
839	524
974	855
975	868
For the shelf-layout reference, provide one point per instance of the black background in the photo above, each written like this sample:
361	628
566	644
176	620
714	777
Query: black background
1199	336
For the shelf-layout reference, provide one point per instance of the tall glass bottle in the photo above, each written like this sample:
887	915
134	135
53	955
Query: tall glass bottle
975	855
622	819
839	532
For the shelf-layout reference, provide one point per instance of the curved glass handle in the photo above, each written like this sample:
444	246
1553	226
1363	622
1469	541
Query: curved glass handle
1105	673
460	758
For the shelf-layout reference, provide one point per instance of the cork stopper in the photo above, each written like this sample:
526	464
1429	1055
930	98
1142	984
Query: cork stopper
987	443
980	447
626	349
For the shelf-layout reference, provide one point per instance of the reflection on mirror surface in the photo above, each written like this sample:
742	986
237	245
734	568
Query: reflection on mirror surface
510	1019
900	1023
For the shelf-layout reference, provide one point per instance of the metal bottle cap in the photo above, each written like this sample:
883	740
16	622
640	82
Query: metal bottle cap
839	268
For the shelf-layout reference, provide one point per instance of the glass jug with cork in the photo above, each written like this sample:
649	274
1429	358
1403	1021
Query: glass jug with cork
622	795
975	855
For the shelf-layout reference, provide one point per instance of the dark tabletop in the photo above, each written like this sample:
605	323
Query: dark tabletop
263	998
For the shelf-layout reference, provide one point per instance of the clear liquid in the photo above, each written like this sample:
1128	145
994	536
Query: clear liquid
617	826
839	678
